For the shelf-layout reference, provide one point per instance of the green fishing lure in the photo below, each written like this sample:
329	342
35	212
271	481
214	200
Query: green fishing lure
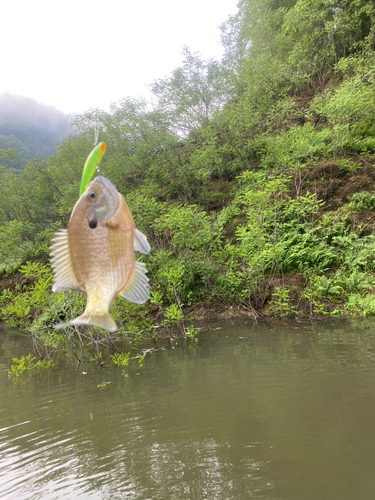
93	159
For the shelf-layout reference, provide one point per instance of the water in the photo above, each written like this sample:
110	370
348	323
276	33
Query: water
286	412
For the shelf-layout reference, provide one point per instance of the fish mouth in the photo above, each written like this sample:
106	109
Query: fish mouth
93	223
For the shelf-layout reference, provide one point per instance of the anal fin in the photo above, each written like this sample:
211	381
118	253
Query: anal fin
136	290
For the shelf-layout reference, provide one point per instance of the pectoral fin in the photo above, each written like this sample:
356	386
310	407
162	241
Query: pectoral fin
62	267
136	289
140	242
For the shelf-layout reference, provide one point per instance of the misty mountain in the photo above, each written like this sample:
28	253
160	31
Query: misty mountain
38	127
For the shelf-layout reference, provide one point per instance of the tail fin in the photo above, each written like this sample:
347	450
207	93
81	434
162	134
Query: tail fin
103	320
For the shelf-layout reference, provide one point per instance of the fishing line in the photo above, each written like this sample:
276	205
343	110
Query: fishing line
96	129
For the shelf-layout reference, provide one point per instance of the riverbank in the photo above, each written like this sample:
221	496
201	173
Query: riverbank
27	300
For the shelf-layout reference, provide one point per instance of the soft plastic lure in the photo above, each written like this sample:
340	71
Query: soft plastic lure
93	159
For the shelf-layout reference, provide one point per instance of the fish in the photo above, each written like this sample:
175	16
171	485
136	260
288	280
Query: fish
95	255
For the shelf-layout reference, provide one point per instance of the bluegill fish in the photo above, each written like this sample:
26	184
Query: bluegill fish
95	255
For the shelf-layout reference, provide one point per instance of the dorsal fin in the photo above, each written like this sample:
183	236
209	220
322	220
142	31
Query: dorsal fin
62	267
140	242
136	289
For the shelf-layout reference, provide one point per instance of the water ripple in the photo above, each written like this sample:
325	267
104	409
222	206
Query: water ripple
260	418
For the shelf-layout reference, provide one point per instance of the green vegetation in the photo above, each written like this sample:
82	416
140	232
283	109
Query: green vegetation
28	364
102	385
253	179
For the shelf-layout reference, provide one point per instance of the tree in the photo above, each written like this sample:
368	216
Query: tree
193	93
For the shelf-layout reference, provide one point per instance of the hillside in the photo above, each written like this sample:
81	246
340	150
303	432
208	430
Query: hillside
253	177
37	126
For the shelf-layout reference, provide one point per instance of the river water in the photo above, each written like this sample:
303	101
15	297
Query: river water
273	410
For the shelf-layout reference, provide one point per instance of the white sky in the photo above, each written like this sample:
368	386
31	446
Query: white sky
81	54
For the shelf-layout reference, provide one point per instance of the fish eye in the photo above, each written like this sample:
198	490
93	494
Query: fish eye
92	195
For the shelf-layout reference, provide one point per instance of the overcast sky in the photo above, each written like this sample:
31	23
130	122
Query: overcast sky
81	54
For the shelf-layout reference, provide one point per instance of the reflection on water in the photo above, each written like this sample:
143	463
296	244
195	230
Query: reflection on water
285	412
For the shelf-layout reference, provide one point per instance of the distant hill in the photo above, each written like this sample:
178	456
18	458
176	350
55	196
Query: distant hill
38	126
